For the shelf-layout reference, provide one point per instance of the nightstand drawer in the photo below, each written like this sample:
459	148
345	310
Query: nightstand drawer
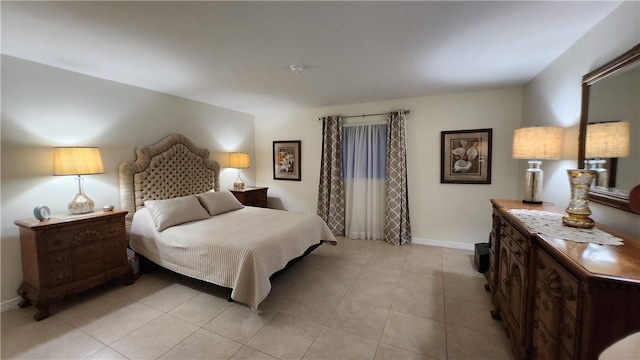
60	276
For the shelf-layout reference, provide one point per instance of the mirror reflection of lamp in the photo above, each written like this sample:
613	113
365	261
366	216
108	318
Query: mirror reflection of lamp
535	144
607	140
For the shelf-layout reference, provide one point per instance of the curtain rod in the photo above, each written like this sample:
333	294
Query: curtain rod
363	115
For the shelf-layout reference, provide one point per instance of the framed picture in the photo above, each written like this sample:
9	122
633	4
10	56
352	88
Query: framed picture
466	156
286	160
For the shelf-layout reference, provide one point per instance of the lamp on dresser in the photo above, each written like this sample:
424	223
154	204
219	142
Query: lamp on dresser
239	160
78	161
536	144
607	140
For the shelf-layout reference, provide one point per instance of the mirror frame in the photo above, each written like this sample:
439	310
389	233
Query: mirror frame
613	66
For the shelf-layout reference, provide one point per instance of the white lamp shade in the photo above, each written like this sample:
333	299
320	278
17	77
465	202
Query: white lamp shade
77	161
607	140
239	160
537	143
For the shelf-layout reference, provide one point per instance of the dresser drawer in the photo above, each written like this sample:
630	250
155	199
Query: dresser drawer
111	262
80	235
114	247
59	276
516	237
57	259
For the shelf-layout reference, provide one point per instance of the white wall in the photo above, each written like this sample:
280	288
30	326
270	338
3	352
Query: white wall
554	98
43	107
455	213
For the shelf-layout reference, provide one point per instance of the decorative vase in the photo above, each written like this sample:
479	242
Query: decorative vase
578	211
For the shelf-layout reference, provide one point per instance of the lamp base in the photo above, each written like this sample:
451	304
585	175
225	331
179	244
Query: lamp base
81	204
238	185
533	183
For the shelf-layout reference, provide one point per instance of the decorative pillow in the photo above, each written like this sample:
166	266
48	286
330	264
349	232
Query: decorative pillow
219	202
176	211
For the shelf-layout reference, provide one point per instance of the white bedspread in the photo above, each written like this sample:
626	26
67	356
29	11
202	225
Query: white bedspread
239	249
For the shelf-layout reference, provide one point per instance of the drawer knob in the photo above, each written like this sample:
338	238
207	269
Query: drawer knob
62	276
506	282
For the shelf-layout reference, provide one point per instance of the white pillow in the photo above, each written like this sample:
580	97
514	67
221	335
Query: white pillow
219	202
176	211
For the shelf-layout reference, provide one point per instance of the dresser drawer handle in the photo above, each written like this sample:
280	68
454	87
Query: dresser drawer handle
506	282
62	276
60	258
112	230
113	245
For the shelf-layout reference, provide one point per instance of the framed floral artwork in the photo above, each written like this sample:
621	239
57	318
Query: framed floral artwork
466	156
286	160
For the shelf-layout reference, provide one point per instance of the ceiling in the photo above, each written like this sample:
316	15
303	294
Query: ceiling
237	54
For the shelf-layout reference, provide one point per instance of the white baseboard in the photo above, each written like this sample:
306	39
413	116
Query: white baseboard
10	304
442	243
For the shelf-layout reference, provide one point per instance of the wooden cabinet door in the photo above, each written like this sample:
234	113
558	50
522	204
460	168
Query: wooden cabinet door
517	298
503	276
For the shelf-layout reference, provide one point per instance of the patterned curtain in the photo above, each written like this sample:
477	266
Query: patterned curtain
331	189
397	229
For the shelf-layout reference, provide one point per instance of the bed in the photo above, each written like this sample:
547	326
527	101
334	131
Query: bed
180	220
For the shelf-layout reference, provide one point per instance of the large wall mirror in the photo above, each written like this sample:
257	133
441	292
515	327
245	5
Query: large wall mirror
610	129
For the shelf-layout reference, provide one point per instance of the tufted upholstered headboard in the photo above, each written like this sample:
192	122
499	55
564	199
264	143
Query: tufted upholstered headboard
170	168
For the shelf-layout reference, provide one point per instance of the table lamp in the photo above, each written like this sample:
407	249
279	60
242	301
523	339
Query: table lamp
535	144
78	161
239	160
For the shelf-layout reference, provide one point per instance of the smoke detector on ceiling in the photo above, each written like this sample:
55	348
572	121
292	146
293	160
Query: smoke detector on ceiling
296	69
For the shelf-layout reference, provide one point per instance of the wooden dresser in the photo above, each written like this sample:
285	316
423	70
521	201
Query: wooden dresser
561	299
252	196
70	253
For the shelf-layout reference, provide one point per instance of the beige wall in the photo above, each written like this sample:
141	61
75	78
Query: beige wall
43	107
554	97
448	214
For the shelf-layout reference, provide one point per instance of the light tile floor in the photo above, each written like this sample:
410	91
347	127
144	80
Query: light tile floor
358	300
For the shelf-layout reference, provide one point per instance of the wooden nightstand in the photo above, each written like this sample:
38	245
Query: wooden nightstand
252	196
71	253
